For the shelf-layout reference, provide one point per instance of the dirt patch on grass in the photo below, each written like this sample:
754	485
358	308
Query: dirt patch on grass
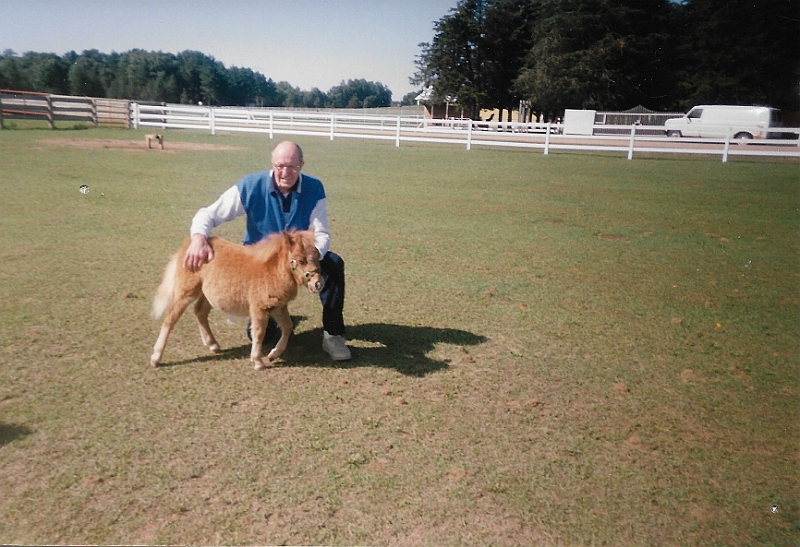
120	144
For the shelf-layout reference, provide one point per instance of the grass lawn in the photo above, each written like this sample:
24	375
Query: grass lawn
559	350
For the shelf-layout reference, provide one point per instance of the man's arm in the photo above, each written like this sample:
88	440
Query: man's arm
226	208
319	223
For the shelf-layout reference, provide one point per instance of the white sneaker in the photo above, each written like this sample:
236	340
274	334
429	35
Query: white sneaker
336	347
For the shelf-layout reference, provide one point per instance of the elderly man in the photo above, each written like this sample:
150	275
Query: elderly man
275	200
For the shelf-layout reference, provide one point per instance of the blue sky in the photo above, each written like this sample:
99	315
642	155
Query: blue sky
308	43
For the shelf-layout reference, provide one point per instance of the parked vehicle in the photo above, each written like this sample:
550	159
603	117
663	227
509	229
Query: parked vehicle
719	121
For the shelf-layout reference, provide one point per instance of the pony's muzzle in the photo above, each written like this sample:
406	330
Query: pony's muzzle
314	282
312	278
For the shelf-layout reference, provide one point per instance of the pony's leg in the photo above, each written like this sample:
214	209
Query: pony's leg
258	328
171	317
201	310
281	316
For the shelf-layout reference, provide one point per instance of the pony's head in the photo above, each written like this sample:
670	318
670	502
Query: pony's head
304	259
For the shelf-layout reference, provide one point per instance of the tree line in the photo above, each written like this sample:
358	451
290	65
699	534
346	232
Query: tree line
556	54
189	77
614	54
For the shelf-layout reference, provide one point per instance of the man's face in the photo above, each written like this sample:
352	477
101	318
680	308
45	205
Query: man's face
286	166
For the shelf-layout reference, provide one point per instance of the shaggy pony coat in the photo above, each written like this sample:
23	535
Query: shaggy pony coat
256	280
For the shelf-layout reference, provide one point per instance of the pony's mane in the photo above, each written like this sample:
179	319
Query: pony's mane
269	247
277	244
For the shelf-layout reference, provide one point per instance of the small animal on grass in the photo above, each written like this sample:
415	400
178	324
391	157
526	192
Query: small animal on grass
155	137
256	280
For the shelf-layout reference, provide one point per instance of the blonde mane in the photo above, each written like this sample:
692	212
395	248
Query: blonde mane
269	248
279	244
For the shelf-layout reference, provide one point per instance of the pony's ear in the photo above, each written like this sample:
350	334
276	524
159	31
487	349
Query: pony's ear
288	237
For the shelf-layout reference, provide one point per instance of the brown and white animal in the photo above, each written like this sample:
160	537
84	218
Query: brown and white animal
155	137
256	280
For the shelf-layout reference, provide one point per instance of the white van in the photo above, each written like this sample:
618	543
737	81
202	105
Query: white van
743	122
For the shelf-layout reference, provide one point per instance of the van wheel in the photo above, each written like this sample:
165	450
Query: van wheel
743	137
673	134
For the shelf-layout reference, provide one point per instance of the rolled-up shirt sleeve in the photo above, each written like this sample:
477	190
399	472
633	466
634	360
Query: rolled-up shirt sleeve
226	208
319	223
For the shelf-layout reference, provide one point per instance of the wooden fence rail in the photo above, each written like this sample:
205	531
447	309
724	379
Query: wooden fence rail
26	105
113	112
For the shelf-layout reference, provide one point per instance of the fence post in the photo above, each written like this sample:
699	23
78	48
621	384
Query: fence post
547	138
1	113
94	112
397	137
271	129
50	112
727	145
633	137
469	135
333	123
211	123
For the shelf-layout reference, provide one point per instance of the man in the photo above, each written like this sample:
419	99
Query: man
276	200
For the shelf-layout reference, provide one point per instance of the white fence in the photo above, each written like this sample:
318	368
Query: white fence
544	136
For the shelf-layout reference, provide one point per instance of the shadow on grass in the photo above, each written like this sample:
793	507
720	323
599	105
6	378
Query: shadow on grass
11	432
399	347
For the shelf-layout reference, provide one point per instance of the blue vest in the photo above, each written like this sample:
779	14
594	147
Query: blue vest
264	206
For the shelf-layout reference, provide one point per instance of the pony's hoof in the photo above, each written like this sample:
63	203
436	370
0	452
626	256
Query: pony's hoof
274	354
153	362
259	365
214	348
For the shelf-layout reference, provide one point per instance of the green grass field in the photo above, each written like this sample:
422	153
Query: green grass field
561	350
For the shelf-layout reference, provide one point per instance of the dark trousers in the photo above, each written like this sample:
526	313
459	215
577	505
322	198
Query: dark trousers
332	298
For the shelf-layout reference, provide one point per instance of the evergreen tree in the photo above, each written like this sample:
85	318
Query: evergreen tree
476	53
739	52
598	54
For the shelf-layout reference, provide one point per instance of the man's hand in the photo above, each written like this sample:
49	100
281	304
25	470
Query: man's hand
198	253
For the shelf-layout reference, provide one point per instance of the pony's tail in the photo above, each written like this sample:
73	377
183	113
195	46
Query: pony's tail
166	291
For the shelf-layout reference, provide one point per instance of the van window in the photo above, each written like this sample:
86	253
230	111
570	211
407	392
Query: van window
695	113
775	117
